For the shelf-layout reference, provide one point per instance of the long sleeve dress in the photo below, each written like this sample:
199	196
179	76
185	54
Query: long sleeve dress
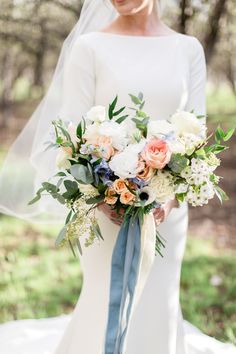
170	71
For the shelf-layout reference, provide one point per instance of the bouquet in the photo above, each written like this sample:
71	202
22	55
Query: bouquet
134	164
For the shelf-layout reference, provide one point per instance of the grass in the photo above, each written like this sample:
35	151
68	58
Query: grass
37	280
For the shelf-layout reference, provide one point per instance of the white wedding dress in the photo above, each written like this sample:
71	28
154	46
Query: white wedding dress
170	71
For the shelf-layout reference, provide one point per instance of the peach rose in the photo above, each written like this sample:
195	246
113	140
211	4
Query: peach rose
156	153
105	145
119	185
110	196
146	173
127	197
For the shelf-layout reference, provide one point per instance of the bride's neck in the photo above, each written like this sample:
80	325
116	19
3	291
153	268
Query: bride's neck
145	22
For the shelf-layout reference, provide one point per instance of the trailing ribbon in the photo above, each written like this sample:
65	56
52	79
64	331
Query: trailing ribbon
132	258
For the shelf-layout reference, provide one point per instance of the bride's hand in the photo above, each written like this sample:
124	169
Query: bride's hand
160	214
110	213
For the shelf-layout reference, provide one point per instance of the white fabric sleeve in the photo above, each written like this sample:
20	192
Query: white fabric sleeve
197	79
78	82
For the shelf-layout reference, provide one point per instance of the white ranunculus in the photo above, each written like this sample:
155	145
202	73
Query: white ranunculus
62	159
125	163
97	114
186	122
163	185
158	128
116	132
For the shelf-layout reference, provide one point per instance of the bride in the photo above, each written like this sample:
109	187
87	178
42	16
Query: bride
127	50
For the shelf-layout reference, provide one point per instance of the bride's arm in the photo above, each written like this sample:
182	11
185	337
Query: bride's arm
78	82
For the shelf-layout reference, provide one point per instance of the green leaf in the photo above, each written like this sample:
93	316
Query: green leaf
95	200
140	96
71	185
221	194
60	174
119	111
81	128
135	99
35	199
219	134
229	134
141	114
121	119
180	197
79	246
61	236
49	187
112	107
68	217
81	173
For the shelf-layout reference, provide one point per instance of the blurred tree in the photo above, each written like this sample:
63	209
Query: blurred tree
32	31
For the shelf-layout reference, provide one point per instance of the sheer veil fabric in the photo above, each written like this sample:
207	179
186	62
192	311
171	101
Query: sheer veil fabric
27	163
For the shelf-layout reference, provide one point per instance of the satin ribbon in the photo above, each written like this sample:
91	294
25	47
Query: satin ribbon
132	258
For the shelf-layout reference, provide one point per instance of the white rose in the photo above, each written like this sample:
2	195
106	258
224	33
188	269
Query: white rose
96	114
159	128
125	163
116	132
62	159
186	122
163	185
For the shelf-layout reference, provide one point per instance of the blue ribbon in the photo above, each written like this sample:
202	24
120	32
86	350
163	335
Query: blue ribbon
124	272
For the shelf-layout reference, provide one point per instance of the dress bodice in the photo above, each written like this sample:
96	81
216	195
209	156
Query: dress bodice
168	70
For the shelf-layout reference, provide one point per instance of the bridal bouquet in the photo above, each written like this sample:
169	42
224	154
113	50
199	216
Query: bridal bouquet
132	163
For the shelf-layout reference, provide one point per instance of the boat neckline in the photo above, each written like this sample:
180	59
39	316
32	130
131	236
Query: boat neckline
112	34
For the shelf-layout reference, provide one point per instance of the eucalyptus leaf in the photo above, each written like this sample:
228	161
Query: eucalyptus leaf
178	163
61	236
82	173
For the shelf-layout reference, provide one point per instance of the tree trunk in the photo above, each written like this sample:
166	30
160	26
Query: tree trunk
214	28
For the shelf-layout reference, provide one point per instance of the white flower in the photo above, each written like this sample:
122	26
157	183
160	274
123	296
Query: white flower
96	114
177	146
200	196
163	186
88	189
116	132
158	128
191	141
125	163
147	195
181	188
62	159
186	122
91	132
